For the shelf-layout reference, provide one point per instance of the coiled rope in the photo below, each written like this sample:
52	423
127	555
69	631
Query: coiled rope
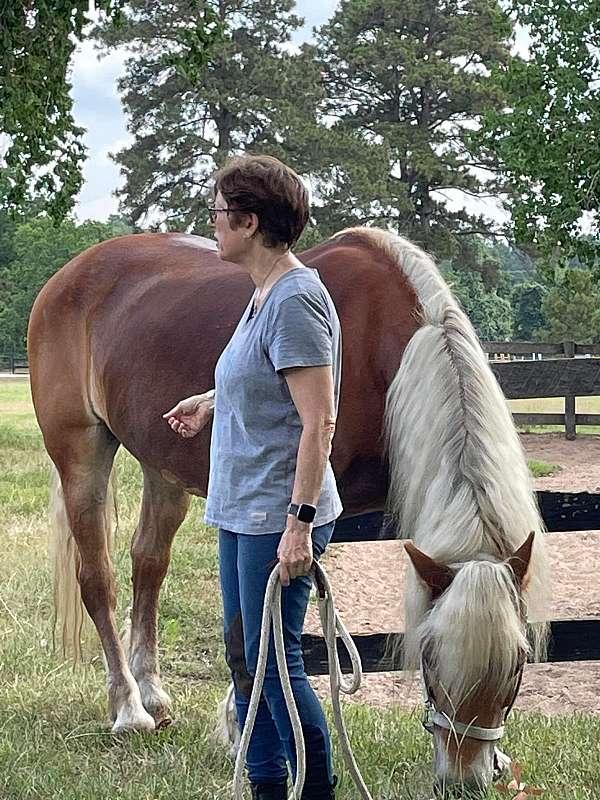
332	625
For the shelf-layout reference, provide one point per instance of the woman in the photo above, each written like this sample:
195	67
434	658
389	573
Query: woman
271	492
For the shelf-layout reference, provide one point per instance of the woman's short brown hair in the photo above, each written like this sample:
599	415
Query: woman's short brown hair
270	189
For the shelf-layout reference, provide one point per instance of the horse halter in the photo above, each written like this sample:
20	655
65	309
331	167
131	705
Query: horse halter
434	718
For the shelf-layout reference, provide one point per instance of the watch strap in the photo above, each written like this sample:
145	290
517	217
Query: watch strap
305	512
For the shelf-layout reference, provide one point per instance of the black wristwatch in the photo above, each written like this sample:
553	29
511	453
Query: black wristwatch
304	512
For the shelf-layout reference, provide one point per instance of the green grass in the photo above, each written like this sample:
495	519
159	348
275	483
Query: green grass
54	735
542	469
556	405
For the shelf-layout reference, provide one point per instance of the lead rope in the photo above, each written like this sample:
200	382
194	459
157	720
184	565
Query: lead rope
332	624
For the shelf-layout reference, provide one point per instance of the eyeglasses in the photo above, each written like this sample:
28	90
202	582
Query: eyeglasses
213	211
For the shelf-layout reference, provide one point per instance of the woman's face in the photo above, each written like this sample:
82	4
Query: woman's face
232	243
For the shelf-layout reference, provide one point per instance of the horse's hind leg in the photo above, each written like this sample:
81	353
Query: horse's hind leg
84	457
164	508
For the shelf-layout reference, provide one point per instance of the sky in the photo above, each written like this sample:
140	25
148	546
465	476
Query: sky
97	107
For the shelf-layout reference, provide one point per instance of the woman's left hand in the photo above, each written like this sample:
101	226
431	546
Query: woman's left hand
295	551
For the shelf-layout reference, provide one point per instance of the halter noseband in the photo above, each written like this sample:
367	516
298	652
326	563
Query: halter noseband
434	718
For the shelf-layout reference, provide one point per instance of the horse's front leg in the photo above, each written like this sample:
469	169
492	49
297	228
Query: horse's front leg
163	510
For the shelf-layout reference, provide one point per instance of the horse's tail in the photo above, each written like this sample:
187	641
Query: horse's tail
70	616
227	729
459	481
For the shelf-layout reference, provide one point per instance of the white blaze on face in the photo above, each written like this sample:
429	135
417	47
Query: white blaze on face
450	775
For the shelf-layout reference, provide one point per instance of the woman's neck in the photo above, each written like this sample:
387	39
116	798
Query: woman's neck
265	270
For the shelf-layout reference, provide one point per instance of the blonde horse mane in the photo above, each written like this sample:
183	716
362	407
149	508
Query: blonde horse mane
459	482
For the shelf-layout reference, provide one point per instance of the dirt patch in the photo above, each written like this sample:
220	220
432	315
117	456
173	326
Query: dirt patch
368	581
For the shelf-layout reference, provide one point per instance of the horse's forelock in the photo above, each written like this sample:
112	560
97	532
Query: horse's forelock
474	635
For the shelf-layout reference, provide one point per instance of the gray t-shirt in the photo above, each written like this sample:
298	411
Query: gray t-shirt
256	427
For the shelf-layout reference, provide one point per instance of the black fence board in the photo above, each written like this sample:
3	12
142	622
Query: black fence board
562	512
571	640
553	378
570	511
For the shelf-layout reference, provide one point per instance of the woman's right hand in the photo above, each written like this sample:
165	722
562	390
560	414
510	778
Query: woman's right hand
189	416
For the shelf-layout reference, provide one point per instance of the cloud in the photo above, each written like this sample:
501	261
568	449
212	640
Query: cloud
97	107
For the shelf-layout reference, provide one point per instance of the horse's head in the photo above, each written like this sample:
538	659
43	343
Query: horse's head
473	647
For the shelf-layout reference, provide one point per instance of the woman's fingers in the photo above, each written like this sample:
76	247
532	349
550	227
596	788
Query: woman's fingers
284	574
293	570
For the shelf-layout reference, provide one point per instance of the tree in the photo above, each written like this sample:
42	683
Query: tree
40	248
572	308
527	302
44	153
188	118
548	135
519	267
490	313
405	82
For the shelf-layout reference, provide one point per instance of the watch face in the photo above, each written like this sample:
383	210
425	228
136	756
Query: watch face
306	513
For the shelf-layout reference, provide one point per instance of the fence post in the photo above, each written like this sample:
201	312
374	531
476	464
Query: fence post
570	418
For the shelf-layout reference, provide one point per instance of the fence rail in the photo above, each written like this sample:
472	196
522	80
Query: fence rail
571	639
15	363
567	348
566	376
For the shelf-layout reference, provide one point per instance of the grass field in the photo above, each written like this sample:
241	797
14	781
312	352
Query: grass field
556	405
54	737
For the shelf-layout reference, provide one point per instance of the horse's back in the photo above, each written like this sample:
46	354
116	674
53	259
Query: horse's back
134	324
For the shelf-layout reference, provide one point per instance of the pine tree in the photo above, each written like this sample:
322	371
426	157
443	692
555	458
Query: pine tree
189	115
405	84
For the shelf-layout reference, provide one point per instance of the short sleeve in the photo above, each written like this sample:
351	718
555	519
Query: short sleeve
301	333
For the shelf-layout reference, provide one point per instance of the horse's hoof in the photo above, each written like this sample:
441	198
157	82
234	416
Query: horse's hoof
163	723
140	724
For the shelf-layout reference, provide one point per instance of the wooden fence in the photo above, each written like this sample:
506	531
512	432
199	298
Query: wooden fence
571	640
15	363
571	371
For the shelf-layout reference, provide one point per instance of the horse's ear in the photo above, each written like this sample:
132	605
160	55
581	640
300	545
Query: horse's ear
519	561
438	577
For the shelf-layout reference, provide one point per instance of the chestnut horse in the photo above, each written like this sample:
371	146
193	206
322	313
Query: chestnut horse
134	324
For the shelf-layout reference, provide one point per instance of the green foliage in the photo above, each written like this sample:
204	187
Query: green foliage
519	266
572	308
547	136
188	117
490	313
40	248
404	81
527	300
37	40
45	152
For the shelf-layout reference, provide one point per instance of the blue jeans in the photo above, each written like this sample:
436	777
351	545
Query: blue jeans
246	562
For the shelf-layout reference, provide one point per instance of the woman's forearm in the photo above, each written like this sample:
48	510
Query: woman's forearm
313	453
